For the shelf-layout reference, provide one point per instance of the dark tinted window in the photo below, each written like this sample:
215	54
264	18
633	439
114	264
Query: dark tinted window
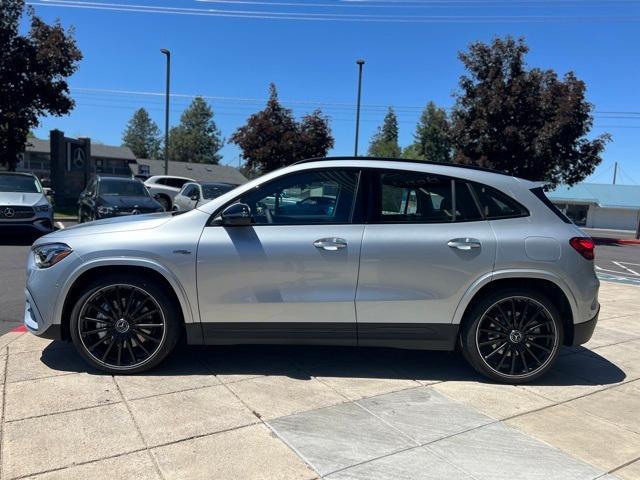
19	183
124	188
466	206
175	182
496	204
189	190
411	197
539	192
212	190
325	196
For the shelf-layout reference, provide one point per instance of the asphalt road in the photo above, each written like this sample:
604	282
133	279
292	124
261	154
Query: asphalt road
615	263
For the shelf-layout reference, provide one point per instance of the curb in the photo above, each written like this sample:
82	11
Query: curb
615	241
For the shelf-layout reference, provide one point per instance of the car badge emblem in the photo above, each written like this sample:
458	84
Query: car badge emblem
9	212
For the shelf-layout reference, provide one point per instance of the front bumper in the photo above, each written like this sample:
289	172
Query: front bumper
582	332
38	224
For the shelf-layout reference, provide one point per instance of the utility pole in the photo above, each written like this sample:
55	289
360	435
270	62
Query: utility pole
615	172
166	112
360	63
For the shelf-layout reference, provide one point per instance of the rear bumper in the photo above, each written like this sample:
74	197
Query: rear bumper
582	332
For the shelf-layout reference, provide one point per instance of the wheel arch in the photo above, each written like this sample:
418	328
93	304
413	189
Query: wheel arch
93	270
550	285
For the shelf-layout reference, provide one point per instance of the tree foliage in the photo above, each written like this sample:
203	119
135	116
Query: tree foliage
197	138
525	122
33	72
385	142
272	138
432	139
142	135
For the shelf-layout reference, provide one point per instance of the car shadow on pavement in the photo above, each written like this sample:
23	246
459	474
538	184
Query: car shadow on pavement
577	367
17	238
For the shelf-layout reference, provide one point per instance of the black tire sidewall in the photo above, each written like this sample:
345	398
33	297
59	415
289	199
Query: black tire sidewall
470	325
162	297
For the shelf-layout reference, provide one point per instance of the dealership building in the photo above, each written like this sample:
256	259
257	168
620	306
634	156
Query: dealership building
68	163
598	205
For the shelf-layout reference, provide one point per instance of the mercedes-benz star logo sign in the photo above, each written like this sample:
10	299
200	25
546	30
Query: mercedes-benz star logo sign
9	212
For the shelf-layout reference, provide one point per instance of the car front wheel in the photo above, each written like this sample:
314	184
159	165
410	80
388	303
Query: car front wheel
512	336
124	324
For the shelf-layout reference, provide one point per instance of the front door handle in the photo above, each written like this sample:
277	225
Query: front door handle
330	244
464	243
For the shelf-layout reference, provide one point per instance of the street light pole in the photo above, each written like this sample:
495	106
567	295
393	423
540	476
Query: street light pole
360	63
166	112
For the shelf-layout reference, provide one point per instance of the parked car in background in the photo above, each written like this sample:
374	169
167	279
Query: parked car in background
23	204
398	253
164	188
194	194
107	197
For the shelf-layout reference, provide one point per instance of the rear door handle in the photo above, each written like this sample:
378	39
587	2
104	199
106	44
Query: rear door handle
464	243
330	244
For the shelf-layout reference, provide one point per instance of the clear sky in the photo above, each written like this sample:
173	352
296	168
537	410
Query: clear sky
230	50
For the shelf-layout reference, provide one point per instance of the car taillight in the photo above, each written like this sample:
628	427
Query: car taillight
584	246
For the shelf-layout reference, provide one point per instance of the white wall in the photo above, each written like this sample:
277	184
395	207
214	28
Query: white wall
614	218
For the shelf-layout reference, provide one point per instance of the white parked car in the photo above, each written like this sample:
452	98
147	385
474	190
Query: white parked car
194	194
164	188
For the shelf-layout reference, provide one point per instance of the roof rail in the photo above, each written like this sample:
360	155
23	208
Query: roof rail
408	160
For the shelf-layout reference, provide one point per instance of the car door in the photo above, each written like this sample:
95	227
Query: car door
183	199
425	245
291	276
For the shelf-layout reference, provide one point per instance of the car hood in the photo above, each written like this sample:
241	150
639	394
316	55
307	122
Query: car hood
20	198
111	225
123	201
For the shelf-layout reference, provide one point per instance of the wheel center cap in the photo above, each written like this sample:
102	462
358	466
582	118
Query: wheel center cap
122	326
516	336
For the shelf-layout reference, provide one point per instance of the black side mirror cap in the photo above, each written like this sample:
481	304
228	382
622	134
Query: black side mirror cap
236	215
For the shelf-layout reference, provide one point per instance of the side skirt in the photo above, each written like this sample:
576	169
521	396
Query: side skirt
439	336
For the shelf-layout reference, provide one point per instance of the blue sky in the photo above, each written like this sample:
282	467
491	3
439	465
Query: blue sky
230	50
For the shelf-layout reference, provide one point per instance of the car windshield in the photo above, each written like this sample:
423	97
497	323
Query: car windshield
19	183
211	191
122	188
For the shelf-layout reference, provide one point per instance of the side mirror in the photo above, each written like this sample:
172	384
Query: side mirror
236	215
195	197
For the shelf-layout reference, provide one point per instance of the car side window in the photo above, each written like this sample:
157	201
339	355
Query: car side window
175	182
414	197
188	190
496	204
466	206
313	197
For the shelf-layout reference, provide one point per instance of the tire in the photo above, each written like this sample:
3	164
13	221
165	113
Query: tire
110	335
512	336
165	202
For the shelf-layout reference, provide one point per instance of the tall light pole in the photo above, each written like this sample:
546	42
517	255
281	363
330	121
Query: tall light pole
166	112
360	63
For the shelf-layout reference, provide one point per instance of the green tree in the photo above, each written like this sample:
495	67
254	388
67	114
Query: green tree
272	138
197	138
33	72
385	142
525	122
432	139
142	135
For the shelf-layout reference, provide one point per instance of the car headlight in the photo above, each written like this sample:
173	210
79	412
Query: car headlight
105	210
42	208
49	254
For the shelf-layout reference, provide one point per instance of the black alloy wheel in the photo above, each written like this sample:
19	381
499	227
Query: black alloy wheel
125	327
515	338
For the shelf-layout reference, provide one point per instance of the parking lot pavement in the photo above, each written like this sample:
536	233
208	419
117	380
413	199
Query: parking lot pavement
618	263
336	413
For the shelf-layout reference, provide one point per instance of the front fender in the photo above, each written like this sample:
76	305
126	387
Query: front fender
176	285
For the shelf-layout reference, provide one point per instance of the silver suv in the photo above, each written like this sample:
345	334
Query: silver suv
346	251
24	204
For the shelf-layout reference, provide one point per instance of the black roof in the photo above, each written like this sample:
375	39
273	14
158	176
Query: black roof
408	160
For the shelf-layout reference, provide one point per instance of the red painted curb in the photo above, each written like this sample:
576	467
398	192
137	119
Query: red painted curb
615	241
20	329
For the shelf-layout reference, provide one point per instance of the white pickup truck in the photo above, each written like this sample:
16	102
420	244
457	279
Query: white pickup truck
164	188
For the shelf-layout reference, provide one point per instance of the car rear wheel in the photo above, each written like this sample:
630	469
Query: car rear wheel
124	324
512	336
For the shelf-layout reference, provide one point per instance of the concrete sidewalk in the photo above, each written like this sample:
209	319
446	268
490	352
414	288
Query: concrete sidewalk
336	413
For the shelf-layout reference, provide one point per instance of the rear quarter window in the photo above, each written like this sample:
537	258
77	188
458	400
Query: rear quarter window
496	205
539	192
